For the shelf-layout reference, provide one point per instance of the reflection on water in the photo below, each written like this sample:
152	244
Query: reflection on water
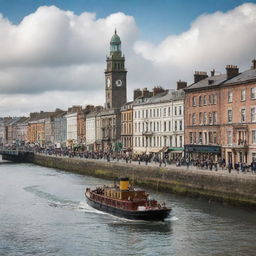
43	212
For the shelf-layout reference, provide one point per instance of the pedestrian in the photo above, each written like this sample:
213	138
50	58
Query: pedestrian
229	167
187	163
216	166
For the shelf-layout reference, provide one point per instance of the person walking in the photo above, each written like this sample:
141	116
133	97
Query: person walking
229	167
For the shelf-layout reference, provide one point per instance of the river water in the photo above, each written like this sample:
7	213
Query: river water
43	212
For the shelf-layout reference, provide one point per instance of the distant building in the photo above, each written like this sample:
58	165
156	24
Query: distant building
3	130
60	130
72	125
158	123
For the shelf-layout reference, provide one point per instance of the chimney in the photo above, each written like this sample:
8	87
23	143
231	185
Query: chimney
199	75
213	72
253	64
137	93
181	84
145	93
157	89
232	71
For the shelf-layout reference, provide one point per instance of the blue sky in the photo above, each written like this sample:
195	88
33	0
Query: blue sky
155	18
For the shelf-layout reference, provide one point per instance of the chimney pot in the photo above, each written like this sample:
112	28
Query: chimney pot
232	71
254	64
199	75
181	84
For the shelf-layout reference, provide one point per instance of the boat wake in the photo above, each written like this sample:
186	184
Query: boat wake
53	200
84	207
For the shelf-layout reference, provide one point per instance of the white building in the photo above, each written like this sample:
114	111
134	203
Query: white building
71	129
90	127
158	124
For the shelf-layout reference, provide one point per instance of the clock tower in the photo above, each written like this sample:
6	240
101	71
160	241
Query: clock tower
115	75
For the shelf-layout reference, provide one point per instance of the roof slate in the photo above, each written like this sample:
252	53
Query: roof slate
246	76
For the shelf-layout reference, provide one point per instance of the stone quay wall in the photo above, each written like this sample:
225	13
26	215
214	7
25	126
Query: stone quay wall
234	189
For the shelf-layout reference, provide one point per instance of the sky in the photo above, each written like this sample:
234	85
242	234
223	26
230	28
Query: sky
53	52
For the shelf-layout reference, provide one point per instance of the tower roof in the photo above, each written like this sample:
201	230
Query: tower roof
115	39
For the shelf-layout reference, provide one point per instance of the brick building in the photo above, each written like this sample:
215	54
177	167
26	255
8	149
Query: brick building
238	119
220	116
201	119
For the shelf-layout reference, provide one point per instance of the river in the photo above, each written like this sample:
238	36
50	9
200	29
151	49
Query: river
43	212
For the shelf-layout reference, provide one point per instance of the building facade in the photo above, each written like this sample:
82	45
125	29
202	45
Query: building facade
127	126
220	116
60	130
158	124
238	119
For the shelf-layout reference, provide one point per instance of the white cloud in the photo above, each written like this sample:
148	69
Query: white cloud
213	40
54	58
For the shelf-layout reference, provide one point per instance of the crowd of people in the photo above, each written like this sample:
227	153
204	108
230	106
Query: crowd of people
162	160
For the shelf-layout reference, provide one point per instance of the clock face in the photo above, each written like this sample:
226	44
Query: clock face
119	83
108	82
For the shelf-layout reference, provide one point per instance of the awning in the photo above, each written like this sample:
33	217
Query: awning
176	149
202	149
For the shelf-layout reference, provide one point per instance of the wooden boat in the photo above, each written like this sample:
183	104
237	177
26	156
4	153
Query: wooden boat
124	201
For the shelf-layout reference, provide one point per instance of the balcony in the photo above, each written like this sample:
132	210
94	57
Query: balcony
147	133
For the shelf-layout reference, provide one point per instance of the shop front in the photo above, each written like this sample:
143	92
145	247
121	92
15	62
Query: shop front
202	152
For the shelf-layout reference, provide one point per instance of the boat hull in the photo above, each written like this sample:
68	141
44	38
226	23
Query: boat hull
147	215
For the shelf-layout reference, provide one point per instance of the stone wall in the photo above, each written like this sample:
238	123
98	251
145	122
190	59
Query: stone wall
234	189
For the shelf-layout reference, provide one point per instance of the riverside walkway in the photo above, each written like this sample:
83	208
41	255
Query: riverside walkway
192	169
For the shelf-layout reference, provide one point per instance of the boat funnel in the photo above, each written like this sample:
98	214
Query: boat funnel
124	183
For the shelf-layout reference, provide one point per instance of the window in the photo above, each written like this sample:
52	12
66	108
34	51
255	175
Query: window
230	116
210	137
200	138
205	101
243	95
214	99
200	101
210	117
215	137
242	115
253	136
180	110
180	141
200	118
193	118
169	111
214	117
230	96
164	111
164	126
175	111
175	125
180	125
211	99
205	118
229	137
253	114
205	138
193	101
253	93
